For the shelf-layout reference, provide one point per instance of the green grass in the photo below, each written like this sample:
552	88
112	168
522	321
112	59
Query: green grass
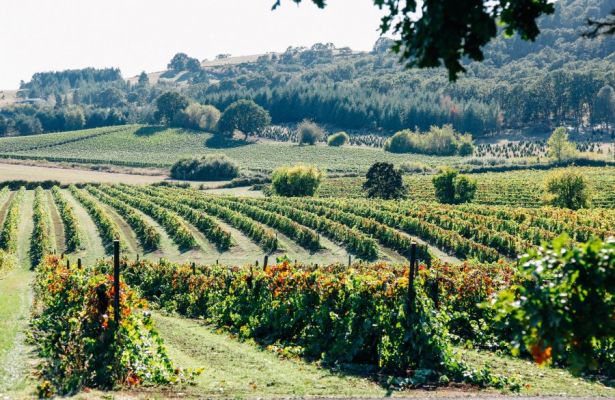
513	188
235	369
242	370
158	147
25	143
535	380
15	303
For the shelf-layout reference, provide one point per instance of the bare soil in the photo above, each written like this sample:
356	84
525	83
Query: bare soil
68	176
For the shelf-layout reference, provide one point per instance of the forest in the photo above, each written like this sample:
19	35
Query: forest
562	78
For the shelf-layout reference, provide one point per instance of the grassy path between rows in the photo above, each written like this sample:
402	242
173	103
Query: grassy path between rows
236	369
244	370
91	243
16	356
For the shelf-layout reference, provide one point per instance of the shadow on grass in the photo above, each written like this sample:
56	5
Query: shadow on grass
149	130
221	142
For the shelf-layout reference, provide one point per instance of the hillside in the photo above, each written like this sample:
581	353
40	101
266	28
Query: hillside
520	87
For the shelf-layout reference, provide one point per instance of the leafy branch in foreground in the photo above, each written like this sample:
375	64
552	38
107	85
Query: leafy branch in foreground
446	31
564	311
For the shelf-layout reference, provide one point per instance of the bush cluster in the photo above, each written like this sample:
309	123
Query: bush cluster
215	167
309	133
338	139
300	180
452	188
440	141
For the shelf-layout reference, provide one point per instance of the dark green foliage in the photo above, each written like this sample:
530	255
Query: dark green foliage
215	167
168	105
604	106
452	188
245	116
448	30
338	139
309	133
565	309
143	79
4	126
384	181
181	62
28	125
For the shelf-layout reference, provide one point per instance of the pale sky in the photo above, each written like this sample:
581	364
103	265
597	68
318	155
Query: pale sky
137	35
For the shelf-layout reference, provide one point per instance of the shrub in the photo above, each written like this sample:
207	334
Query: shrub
338	139
384	181
309	133
465	148
410	167
441	141
245	116
559	147
565	308
399	143
198	117
215	167
452	188
300	180
568	189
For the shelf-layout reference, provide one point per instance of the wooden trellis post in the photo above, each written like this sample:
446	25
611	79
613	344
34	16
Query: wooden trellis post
265	261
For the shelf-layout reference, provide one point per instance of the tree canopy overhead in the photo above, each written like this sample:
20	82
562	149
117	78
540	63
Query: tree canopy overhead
443	32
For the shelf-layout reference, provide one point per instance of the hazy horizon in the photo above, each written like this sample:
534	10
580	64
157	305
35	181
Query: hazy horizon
137	35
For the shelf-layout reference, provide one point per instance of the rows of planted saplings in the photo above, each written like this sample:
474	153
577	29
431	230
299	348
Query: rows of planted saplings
8	234
361	226
485	233
360	236
40	245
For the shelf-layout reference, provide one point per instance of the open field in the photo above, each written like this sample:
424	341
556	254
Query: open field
512	188
188	225
191	225
7	97
143	146
67	176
